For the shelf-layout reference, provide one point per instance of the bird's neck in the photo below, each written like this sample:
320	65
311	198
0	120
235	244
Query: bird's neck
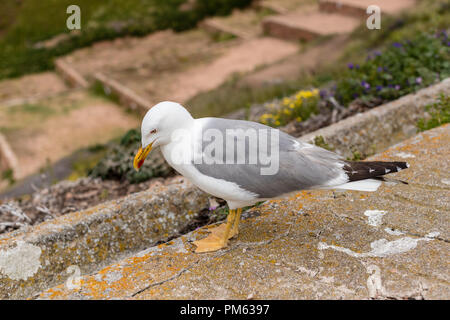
180	144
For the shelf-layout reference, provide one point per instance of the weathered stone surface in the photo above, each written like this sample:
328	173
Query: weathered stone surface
37	258
393	243
375	130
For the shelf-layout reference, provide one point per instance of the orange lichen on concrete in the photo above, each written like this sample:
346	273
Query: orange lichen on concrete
324	252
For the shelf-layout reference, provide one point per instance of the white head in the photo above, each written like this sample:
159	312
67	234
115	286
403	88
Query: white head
158	125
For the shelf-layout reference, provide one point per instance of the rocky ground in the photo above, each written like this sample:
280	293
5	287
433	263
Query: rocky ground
72	196
389	244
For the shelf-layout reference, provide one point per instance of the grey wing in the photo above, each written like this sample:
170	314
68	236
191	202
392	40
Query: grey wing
292	165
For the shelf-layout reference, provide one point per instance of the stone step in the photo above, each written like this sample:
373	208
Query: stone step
69	74
127	97
358	8
307	24
283	6
244	24
214	25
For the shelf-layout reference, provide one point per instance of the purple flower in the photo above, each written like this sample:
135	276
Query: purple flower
373	55
323	94
397	87
448	43
397	44
350	66
379	88
365	84
419	80
357	66
379	69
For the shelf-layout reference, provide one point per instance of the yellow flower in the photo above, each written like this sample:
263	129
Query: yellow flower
286	101
298	119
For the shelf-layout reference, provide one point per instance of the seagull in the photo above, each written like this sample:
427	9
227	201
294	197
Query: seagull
230	159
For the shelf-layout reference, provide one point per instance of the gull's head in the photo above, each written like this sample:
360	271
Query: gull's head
158	126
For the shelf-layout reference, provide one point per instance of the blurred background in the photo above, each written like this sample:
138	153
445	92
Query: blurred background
71	101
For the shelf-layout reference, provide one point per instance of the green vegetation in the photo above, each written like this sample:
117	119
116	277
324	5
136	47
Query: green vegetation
356	156
439	114
40	20
33	109
8	175
233	95
99	90
8	12
118	161
85	164
427	16
320	142
401	68
222	36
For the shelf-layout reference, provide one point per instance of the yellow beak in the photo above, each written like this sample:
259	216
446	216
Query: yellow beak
140	156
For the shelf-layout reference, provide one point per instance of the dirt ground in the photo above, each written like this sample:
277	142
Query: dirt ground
45	131
31	87
292	66
244	58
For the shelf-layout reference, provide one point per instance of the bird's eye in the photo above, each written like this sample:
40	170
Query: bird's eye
153	131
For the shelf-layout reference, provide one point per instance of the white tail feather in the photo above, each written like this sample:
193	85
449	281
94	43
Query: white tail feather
360	185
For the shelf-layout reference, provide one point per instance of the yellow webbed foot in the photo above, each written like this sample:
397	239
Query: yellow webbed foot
218	237
210	243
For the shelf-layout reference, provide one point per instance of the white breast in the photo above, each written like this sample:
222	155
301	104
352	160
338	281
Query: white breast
179	155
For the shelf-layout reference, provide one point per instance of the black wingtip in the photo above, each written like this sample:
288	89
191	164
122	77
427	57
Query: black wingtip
371	169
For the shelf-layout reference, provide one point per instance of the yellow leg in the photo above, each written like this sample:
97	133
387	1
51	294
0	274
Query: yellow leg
218	238
235	230
220	229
